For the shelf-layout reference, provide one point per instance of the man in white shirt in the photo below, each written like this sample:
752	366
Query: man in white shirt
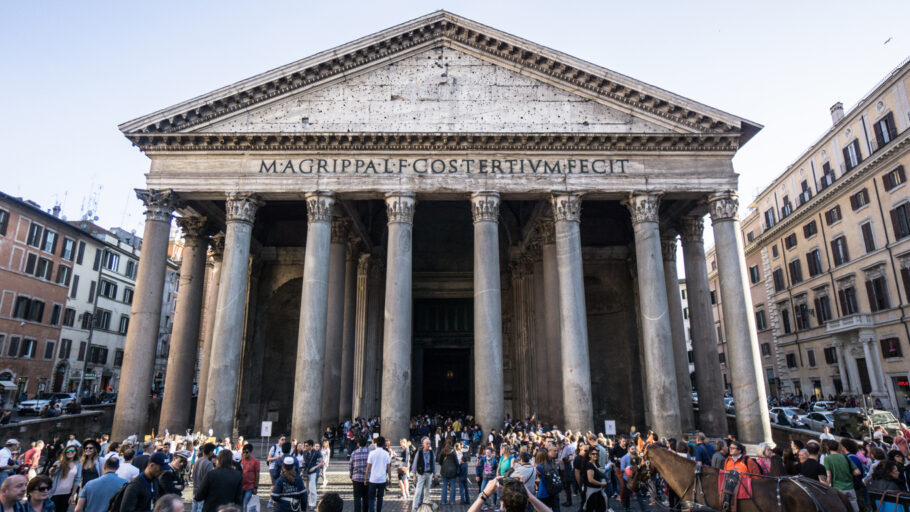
377	475
127	470
7	460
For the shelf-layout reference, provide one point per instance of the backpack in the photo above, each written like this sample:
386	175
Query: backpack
552	482
117	499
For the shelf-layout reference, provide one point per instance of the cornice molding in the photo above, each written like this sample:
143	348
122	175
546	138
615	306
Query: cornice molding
415	141
442	29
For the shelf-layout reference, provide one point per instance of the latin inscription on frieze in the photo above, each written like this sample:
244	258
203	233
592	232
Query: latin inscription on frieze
445	166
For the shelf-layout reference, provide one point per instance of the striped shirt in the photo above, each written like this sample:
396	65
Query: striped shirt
358	464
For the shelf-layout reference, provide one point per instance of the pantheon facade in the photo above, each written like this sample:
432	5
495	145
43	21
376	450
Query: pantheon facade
441	217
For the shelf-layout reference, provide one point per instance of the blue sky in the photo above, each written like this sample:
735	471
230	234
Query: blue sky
72	71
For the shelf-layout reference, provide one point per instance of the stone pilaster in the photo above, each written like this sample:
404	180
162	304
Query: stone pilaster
227	334
131	412
396	354
656	336
345	404
550	267
488	375
711	414
306	418
752	420
211	303
678	332
181	360
576	366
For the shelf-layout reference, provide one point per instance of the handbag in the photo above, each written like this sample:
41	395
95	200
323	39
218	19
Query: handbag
253	505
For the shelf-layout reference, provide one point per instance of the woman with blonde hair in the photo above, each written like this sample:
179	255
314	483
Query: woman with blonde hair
67	475
326	455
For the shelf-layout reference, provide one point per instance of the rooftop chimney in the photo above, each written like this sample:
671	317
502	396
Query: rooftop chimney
837	112
56	211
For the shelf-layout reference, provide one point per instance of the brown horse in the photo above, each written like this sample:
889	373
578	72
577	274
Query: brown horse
679	473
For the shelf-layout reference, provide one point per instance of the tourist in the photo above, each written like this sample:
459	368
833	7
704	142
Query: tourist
898	458
764	458
311	462
514	497
809	466
840	470
566	455
404	474
579	463
326	458
739	461
221	485
96	495
330	502
885	477
274	457
377	475
720	454
169	503
488	466
548	475
171	481
288	492
38	495
91	462
250	467
12	491
422	468
32	457
595	481
357	467
67	475
140	494
8	462
200	469
448	470
127	470
461	452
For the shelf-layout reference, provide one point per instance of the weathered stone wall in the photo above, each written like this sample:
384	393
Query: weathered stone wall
89	422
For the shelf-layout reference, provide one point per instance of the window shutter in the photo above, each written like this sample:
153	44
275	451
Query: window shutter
895	224
818	312
879	137
97	259
859	154
870	292
842	298
892	128
853	203
900	172
828	217
905	276
847	162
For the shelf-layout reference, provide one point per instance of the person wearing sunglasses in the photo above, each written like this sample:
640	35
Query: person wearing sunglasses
67	475
39	492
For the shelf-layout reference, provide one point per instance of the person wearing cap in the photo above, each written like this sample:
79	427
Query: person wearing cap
288	492
96	495
171	481
221	485
7	461
141	493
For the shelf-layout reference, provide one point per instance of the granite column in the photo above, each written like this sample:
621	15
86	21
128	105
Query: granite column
678	333
345	404
211	302
334	332
553	377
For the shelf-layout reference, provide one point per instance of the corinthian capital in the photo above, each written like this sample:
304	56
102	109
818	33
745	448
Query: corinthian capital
194	230
320	206
159	204
216	243
723	206
643	207
340	230
485	206
546	228
566	207
692	229
242	207
399	207
668	247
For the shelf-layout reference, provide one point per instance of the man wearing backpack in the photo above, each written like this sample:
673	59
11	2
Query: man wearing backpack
274	457
96	495
550	481
841	470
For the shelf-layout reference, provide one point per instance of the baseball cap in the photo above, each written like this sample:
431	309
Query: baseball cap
10	442
162	460
236	456
288	461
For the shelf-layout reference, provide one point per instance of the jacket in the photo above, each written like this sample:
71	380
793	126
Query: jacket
219	487
57	475
139	495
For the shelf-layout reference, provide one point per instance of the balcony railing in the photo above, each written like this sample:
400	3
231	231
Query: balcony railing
849	323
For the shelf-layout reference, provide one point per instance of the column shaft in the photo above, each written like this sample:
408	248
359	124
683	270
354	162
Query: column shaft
345	404
657	340
181	360
334	334
211	304
488	385
540	341
553	331
306	420
752	421
396	354
678	333
131	411
360	337
578	408
374	343
711	414
227	335
869	353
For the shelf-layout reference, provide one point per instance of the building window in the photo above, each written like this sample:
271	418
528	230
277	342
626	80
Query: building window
81	356
63	275
111	261
784	317
22	305
75	288
833	215
831	355
720	334
891	347
905	277
86	320
765	349
868	237
859	199
878	294
124	324
713	265
128	295
852	155
118	358
885	129
685	313
778	280
827	176
103	319
66	346
36	310
894	178
848	305
4	222
774	252
814	263
30	262
761	323
805	194
13	349
754	275
683	293
822	309
45	269
786	209
91	292
69	317
722	357
791	360
796	272
97	355
130	268
713	297
34	235
810	229
69	249
810	356
900	221
55	314
770	220
49	243
28	348
750	236
107	289
839	251
790	241
801	315
49	349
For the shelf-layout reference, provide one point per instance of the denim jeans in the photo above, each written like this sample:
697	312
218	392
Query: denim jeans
447	484
494	498
197	506
360	497
424	484
375	492
246	497
463	487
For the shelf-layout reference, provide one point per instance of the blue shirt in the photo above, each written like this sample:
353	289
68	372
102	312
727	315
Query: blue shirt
98	492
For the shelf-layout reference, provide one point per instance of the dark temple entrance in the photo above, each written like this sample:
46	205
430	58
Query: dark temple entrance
443	356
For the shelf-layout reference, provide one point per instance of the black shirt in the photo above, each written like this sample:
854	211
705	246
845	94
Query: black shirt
219	487
812	469
139	495
578	464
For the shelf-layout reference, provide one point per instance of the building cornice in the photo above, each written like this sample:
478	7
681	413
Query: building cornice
880	158
441	29
374	141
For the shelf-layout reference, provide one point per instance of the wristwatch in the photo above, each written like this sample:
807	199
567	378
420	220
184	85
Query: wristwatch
482	496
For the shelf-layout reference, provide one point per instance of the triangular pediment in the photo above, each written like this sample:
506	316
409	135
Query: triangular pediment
440	74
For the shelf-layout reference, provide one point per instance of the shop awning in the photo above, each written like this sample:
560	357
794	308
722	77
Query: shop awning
6	385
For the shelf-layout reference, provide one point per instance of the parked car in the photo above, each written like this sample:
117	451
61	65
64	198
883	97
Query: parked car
794	415
817	421
36	405
729	405
823	405
695	398
858	423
